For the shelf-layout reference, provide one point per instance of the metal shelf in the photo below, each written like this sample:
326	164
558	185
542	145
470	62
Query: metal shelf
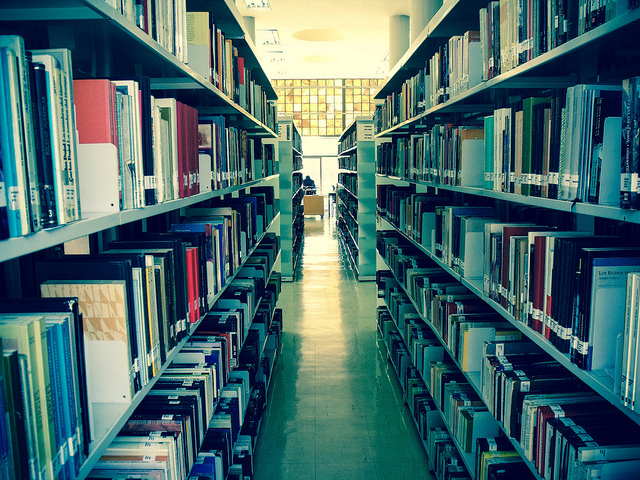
603	211
95	222
455	17
599	381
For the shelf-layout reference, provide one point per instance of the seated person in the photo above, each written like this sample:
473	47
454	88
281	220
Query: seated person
309	185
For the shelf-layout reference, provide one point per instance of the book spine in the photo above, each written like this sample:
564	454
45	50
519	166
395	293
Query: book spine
628	87
44	157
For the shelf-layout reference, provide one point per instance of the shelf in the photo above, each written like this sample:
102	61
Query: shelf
95	222
455	17
467	458
599	381
348	152
472	377
230	280
348	191
351	215
348	250
350	234
603	211
106	429
95	23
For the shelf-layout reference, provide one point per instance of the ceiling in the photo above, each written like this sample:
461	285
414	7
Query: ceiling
326	38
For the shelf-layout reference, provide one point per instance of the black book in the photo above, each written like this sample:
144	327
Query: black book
42	133
14	407
174	242
558	101
167	405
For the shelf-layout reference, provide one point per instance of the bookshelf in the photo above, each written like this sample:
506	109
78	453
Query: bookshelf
291	195
104	43
587	58
355	197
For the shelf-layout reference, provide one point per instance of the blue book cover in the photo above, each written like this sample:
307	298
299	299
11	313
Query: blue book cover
65	390
59	464
15	198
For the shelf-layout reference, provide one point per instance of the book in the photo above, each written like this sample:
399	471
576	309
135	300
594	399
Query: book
103	304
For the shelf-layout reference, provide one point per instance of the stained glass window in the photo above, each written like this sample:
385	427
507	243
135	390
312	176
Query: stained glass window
324	107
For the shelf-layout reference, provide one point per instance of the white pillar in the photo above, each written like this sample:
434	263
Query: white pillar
432	6
398	38
250	25
419	19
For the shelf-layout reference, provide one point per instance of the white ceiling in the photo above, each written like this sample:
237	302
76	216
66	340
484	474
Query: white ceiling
363	26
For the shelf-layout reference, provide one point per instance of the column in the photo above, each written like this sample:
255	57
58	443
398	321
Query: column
419	18
398	38
250	26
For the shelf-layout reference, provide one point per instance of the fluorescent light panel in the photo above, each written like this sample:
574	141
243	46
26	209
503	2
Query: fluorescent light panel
257	4
269	37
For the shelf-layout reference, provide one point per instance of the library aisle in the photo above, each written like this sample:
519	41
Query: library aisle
336	410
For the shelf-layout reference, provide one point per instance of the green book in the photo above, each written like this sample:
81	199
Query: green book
527	140
488	153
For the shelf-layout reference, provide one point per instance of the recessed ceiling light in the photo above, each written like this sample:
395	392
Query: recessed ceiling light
319	35
268	37
257	4
276	56
317	59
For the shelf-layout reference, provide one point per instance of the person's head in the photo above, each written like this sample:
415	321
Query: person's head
307	177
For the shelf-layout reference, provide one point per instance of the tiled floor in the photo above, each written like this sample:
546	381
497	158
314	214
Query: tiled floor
336	409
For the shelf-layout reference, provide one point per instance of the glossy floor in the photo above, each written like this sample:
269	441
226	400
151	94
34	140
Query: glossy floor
336	409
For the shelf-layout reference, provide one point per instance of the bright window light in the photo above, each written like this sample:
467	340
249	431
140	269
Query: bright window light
257	4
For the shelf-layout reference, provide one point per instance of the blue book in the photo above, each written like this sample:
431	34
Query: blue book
11	149
60	466
61	344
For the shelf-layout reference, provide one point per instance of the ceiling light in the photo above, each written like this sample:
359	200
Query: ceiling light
319	35
275	56
257	4
268	37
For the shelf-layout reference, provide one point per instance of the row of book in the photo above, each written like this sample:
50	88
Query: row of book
348	162
196	39
165	22
447	430
511	33
347	141
349	181
164	150
132	149
528	393
515	32
451	71
348	202
110	323
521	271
39	187
217	59
565	145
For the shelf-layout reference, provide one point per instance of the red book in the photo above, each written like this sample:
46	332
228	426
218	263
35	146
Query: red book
96	113
537	283
192	294
193	151
183	171
219	43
